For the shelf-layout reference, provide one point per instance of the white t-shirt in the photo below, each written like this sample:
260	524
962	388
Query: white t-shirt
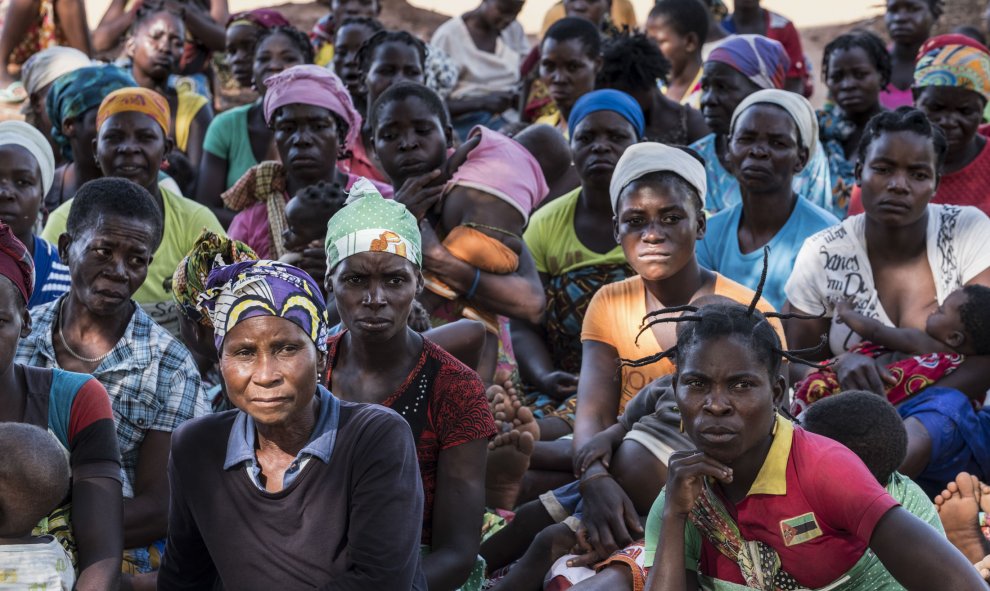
833	265
36	566
479	72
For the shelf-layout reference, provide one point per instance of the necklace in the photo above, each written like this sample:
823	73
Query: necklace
65	343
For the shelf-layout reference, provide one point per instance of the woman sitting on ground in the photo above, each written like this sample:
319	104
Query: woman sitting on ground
909	24
856	67
737	68
74	407
132	142
900	261
772	136
26	170
38	74
241	36
155	47
240	137
570	59
952	87
73	103
313	121
738	510
113	228
633	64
378	359
343	476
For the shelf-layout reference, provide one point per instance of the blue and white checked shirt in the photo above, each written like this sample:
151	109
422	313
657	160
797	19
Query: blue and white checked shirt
151	378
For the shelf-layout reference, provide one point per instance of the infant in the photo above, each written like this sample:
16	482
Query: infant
34	480
307	215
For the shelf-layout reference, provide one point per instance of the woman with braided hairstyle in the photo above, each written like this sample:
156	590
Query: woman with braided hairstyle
761	503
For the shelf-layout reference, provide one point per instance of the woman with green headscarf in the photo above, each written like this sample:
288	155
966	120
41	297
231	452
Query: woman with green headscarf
374	261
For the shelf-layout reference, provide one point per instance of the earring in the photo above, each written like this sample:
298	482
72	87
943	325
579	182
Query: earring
682	425
773	430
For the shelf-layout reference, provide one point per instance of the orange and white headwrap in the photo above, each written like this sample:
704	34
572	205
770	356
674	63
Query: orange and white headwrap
140	100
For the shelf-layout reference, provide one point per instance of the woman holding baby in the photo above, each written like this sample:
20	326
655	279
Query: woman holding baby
314	122
897	263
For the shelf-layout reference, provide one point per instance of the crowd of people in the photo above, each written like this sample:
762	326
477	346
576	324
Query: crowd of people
615	310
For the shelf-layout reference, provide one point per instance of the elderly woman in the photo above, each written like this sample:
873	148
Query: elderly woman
240	137
74	407
952	87
856	67
897	263
26	169
72	106
295	488
575	256
38	74
379	359
737	68
114	226
131	143
761	503
195	326
772	136
314	122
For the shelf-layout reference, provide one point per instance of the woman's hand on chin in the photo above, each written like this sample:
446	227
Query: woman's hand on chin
859	372
686	475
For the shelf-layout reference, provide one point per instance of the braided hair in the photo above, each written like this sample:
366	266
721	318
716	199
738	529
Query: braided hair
632	61
719	320
869	43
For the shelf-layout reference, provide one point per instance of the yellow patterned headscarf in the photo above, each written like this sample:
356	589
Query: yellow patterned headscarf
956	61
189	280
136	99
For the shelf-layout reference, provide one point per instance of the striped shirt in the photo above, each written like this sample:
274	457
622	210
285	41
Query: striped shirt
51	277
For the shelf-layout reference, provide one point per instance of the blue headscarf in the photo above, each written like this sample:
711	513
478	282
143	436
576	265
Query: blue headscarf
77	92
608	100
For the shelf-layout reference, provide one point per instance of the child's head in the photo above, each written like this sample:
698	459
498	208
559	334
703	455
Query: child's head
679	28
342	9
909	22
309	212
278	49
962	321
155	44
388	58
411	131
865	423
350	36
34	477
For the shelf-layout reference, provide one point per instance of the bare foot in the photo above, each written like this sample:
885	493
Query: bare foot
525	422
497	400
958	507
508	460
985	497
984	567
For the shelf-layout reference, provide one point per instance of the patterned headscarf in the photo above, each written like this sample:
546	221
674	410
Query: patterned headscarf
371	223
136	99
15	262
265	288
189	280
264	18
764	61
956	61
77	92
313	85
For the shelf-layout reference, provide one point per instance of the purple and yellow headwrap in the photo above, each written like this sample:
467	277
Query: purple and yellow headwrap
265	288
189	281
764	61
956	61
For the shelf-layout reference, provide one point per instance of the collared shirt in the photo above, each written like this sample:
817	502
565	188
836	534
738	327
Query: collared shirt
151	379
243	436
813	502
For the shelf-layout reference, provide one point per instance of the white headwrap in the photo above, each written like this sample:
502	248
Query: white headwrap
797	107
641	159
44	67
21	134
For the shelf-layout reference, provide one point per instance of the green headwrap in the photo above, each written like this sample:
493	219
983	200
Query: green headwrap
371	223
